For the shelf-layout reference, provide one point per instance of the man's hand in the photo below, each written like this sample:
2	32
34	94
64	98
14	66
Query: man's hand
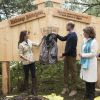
54	33
98	55
29	61
80	55
61	56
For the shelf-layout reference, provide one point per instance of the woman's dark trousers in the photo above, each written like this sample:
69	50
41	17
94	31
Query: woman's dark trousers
90	90
30	68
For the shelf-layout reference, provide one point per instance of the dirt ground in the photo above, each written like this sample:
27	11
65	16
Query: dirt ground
26	96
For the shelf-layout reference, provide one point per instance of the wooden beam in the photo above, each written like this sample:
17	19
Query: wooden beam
98	82
5	78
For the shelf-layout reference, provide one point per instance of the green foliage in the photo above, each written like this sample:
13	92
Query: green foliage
10	8
91	7
48	4
16	75
49	77
54	97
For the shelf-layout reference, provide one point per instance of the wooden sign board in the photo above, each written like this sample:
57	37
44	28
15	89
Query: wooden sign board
26	17
72	16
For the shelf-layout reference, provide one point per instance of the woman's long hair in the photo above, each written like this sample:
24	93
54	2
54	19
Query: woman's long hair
22	36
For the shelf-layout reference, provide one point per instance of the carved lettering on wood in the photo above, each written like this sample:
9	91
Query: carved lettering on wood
26	17
72	16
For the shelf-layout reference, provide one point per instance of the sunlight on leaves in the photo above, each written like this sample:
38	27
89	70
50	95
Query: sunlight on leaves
54	97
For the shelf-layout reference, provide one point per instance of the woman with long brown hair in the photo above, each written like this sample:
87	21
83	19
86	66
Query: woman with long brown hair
89	61
27	58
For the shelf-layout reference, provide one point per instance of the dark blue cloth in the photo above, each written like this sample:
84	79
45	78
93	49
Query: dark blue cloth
71	44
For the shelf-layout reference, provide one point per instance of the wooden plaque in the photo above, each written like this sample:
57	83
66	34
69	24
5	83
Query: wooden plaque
66	14
27	17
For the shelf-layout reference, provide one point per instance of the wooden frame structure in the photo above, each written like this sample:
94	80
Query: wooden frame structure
39	22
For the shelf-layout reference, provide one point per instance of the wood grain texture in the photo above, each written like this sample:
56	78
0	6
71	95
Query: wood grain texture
98	82
5	78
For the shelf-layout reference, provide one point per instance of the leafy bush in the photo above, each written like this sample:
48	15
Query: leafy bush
49	77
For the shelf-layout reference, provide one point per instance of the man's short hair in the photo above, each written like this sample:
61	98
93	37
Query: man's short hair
71	23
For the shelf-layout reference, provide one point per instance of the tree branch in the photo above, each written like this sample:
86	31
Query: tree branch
87	9
85	4
4	8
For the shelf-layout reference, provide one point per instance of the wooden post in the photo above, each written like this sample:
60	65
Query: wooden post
98	82
5	78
